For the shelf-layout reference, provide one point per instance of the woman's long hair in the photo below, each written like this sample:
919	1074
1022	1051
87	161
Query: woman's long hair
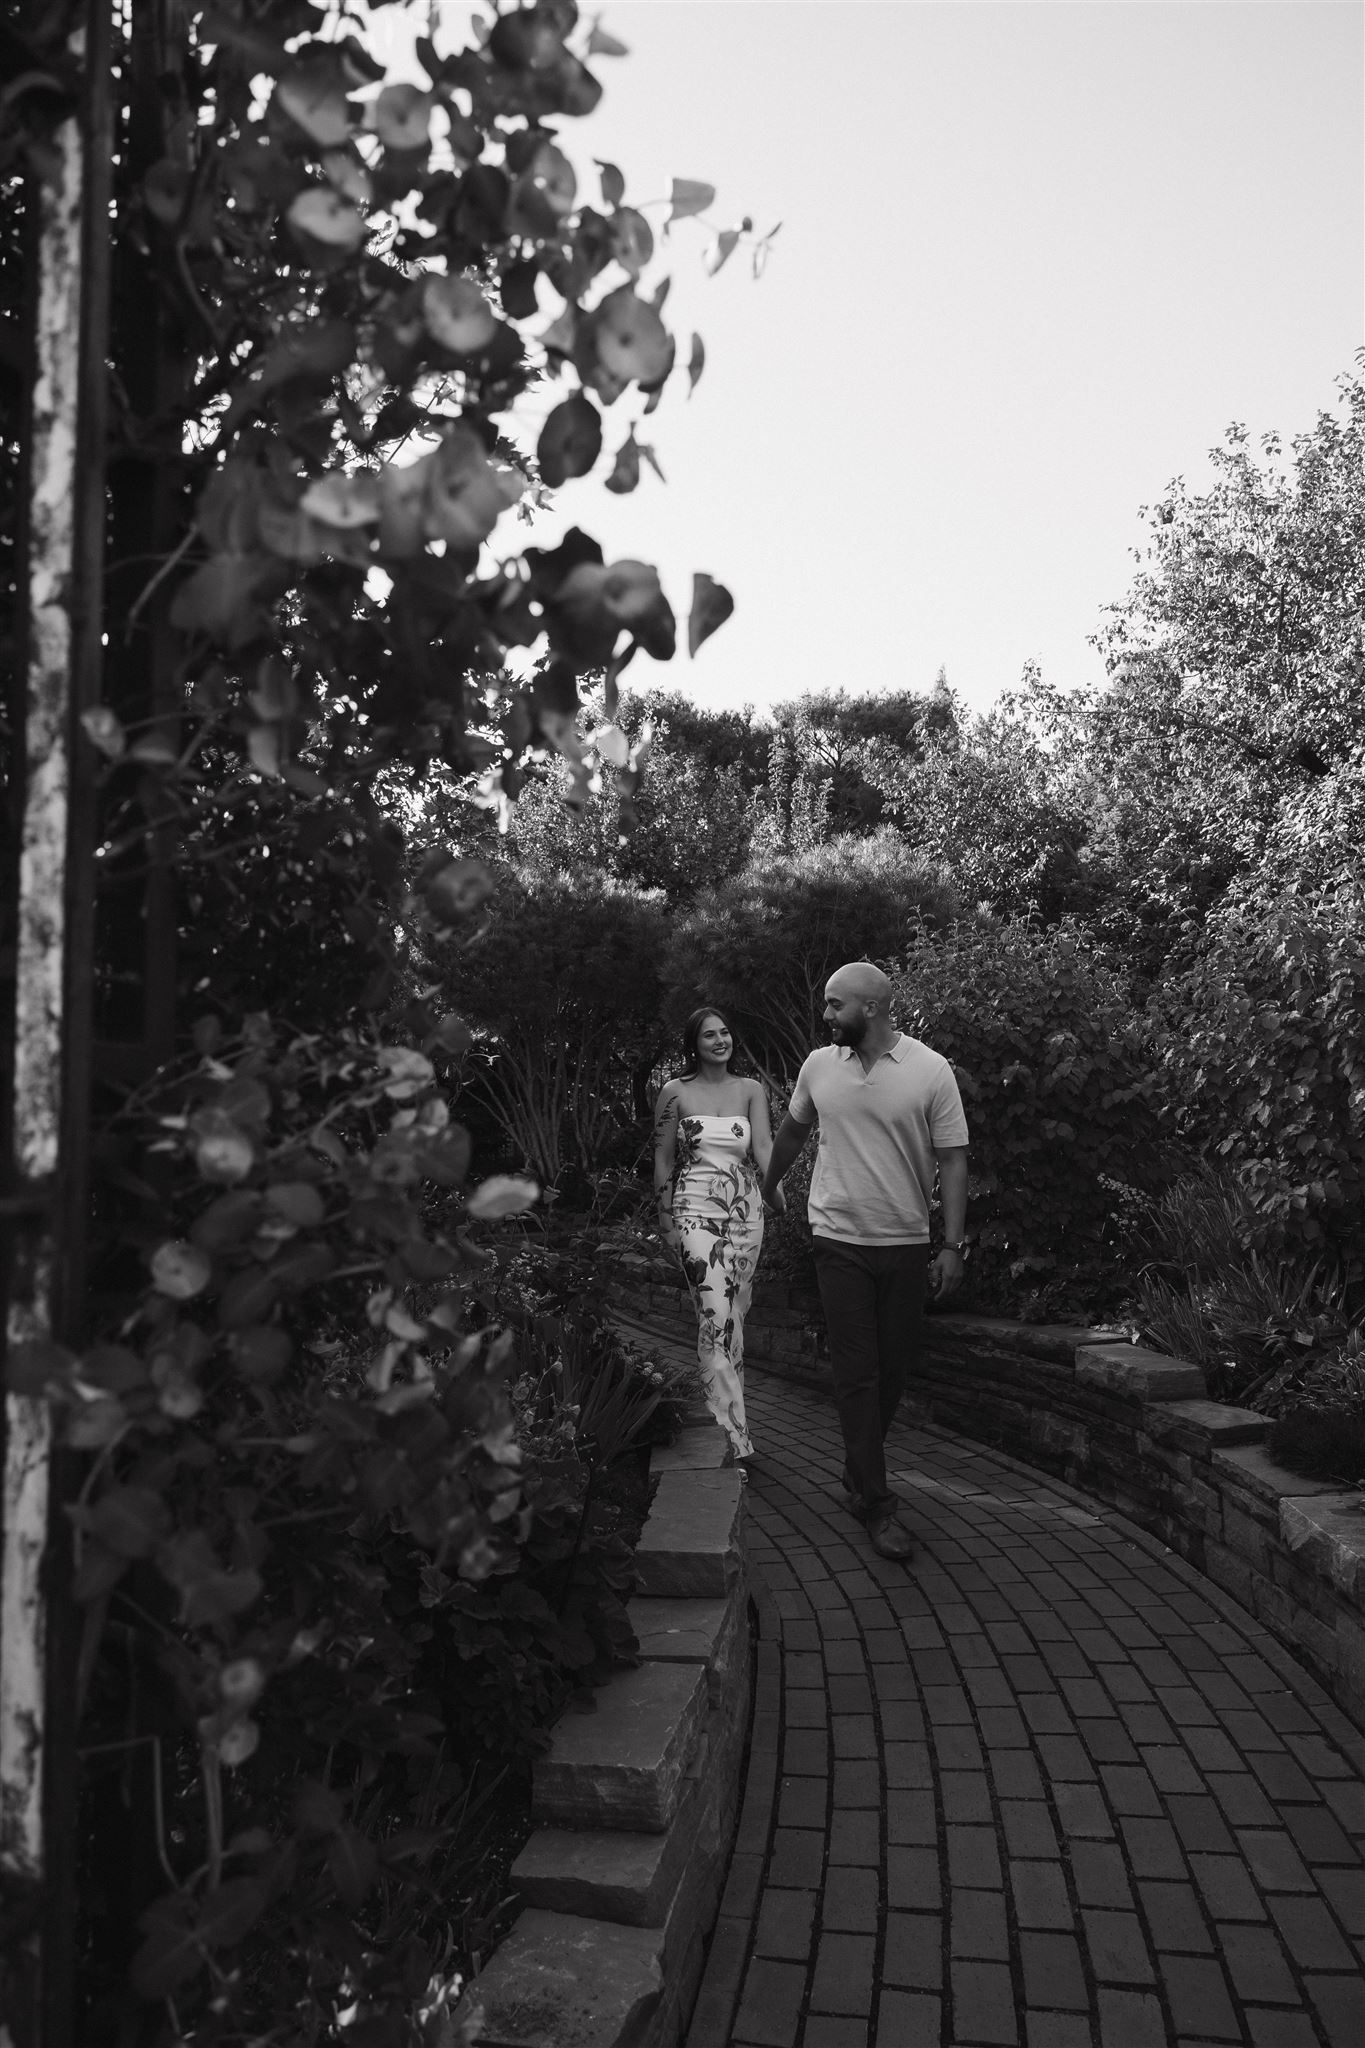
691	1033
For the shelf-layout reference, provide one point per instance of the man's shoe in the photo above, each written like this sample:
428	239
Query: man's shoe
853	1500
889	1539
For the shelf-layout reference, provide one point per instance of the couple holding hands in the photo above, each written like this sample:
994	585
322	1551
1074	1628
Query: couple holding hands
890	1121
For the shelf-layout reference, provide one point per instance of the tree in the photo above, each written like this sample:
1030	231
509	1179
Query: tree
1235	715
833	754
763	945
563	991
687	830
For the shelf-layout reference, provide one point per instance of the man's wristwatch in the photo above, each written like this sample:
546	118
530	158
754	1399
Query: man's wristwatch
961	1247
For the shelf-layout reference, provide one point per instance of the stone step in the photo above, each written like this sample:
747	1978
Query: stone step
1204	1425
690	1546
695	1450
1137	1373
623	1766
614	1874
692	1632
560	1980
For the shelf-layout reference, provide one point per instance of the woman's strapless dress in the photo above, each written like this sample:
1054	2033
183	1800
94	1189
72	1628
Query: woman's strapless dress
718	1208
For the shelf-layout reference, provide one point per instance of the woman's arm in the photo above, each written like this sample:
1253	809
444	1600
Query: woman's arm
665	1157
788	1146
760	1127
761	1139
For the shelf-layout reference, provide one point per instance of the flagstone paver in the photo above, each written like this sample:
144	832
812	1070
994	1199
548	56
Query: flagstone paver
1045	1788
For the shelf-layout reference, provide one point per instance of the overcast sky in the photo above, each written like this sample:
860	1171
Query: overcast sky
1035	255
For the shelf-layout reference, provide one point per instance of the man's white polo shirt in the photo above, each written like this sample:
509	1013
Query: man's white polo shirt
874	1171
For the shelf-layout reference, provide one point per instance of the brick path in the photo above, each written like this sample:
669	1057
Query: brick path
1045	1787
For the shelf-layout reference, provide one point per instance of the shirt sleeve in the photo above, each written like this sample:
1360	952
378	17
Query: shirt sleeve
947	1118
802	1104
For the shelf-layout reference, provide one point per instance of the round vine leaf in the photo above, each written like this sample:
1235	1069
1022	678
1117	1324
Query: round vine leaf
570	441
222	1150
239	1743
247	1298
401	117
630	341
503	1194
457	315
129	1520
227	1221
180	1270
632	240
325	226
315	102
35	1367
712	605
297	1202
689	196
261	1352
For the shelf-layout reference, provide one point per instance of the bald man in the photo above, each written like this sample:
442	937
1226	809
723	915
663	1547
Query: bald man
890	1120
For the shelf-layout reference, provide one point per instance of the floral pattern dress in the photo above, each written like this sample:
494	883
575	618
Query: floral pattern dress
718	1210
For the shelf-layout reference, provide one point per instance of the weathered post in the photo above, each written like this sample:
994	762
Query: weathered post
61	612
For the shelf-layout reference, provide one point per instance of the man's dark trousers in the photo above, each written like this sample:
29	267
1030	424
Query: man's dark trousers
873	1298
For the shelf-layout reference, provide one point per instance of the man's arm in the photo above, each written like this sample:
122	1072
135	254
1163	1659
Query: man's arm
945	1274
787	1148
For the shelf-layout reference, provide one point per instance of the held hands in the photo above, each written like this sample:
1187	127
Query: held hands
776	1201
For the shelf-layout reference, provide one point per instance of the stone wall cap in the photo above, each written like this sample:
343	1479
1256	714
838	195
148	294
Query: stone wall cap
1055	1342
562	1980
1216	1421
1137	1373
1330	1529
1255	1469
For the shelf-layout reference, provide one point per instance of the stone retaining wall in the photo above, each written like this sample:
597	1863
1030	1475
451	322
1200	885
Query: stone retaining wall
1130	1427
636	1801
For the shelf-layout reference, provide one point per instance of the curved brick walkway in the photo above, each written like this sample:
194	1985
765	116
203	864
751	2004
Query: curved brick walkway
1044	1787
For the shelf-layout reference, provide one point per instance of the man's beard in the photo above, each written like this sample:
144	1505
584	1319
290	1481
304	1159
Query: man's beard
849	1034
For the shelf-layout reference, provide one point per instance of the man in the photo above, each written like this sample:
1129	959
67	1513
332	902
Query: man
890	1116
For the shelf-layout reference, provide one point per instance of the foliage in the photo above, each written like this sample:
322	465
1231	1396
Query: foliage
1221	1284
988	805
563	986
355	323
1321	1431
331	1591
1233	709
688	827
1058	1082
1264	1060
832	756
763	944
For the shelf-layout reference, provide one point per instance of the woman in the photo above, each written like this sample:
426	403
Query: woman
712	1142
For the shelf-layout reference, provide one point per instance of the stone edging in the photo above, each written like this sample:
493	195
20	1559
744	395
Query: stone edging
1132	1428
636	1802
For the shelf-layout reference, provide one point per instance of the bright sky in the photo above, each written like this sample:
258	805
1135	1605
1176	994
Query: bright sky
1035	256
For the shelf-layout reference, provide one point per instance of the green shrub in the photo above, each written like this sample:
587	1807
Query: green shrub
1264	1061
1219	1283
1058	1082
1321	1430
563	989
349	1538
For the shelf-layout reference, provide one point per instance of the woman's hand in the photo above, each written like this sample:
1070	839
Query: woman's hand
776	1201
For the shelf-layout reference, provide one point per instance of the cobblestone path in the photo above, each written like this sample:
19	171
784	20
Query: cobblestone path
1046	1786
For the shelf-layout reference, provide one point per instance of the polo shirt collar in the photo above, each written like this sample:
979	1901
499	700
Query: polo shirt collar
895	1052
